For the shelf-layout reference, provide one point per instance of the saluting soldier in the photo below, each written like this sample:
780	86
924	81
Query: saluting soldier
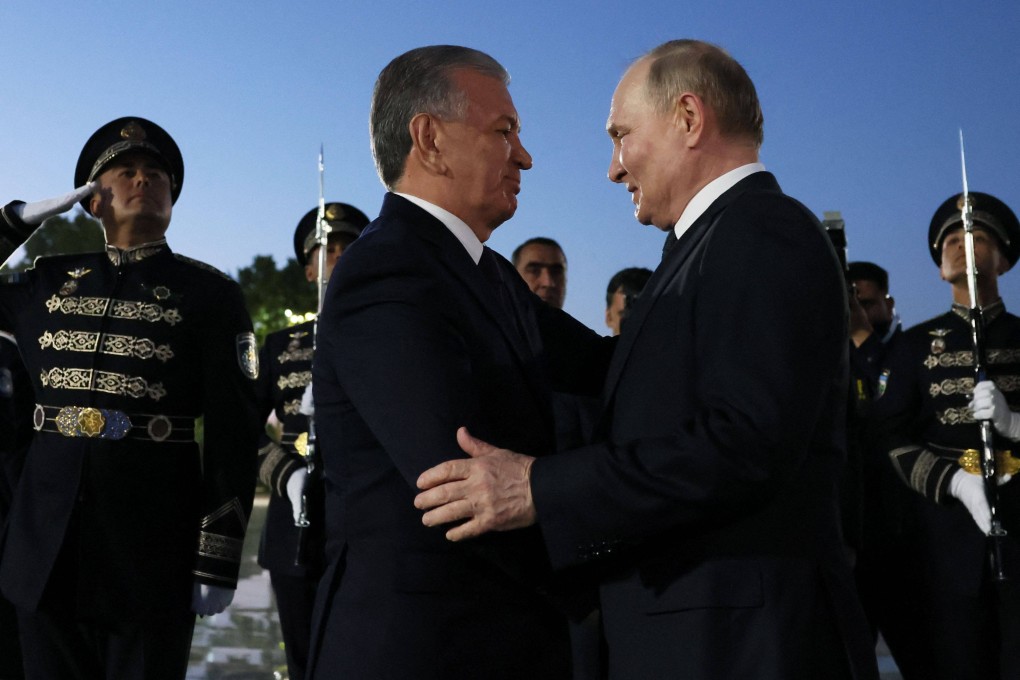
121	529
295	560
966	625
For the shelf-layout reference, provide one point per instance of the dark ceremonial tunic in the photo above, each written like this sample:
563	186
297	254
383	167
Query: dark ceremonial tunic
924	424
285	371
125	350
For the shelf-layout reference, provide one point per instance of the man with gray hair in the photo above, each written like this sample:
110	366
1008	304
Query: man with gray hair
424	329
711	504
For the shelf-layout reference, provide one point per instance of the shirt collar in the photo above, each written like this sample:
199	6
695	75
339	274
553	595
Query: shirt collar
457	226
711	191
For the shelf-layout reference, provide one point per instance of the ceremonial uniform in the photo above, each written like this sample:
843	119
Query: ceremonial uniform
286	370
966	624
295	556
925	426
119	511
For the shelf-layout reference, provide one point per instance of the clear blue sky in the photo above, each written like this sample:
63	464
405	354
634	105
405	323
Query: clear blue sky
862	103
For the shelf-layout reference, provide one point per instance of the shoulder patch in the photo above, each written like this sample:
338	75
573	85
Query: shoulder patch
202	265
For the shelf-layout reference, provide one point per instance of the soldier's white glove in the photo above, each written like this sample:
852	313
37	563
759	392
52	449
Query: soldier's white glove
307	407
295	489
40	211
207	600
990	404
970	490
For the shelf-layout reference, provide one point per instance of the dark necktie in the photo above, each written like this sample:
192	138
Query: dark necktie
490	268
671	240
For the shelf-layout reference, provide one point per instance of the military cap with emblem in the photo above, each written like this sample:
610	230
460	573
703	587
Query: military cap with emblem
342	218
989	213
129	134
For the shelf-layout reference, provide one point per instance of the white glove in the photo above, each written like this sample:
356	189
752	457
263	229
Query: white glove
989	404
307	403
40	211
295	489
970	490
207	600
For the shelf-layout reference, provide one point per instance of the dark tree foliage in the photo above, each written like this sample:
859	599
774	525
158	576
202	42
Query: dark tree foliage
60	235
269	292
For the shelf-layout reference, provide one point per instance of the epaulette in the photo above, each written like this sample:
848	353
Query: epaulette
202	265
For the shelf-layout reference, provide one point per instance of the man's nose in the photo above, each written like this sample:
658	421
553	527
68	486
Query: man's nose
616	170
522	157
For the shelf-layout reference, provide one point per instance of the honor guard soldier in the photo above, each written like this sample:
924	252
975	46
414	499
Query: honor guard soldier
966	623
293	557
121	528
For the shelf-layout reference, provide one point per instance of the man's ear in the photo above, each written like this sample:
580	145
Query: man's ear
96	201
689	115
310	273
424	129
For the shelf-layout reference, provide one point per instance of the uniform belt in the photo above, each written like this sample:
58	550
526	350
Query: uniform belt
106	423
298	441
970	459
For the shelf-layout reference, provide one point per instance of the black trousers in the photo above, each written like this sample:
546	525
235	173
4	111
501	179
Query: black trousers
10	648
57	646
295	598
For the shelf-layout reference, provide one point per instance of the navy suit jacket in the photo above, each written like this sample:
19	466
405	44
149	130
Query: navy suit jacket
412	344
714	497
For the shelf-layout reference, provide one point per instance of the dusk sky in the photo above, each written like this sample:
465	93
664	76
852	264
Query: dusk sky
862	102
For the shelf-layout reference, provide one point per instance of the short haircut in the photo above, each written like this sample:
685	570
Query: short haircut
419	81
536	241
631	279
869	271
710	72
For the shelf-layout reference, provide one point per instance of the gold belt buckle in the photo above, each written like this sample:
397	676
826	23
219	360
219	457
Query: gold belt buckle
1005	463
301	444
91	422
970	461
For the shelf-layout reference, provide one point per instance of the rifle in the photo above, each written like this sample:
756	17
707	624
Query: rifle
322	230
997	534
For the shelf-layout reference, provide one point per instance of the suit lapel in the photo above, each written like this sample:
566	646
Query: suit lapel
452	255
670	267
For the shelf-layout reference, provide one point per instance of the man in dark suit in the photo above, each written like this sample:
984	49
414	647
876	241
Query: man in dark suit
424	329
714	493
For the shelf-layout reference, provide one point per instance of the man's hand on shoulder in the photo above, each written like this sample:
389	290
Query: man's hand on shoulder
491	490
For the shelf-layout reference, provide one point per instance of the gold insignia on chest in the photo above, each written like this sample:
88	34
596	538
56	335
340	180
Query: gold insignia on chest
72	285
295	340
938	345
161	293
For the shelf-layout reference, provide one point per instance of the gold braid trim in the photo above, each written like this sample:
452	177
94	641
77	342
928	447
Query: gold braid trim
219	547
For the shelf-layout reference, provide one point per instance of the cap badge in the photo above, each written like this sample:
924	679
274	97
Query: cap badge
133	132
334	212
